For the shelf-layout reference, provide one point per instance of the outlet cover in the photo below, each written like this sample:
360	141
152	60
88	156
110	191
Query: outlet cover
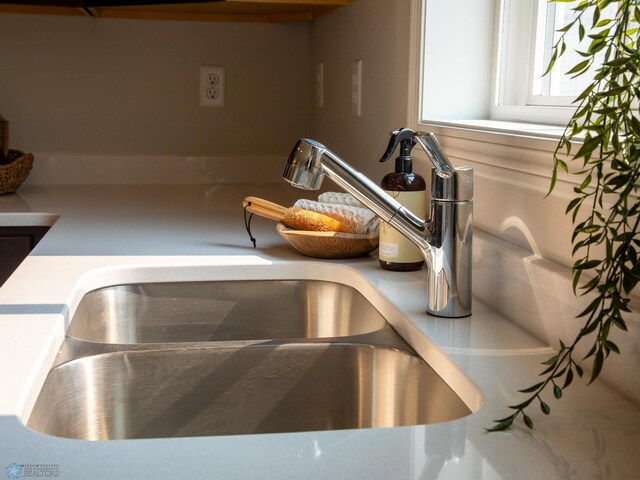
212	86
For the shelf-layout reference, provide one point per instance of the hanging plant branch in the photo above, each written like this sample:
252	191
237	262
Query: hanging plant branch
605	210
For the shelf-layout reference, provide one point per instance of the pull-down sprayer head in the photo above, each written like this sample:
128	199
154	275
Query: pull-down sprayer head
304	168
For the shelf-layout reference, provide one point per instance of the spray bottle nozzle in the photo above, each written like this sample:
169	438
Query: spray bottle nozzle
405	137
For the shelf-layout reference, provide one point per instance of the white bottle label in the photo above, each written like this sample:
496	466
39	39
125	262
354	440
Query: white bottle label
394	247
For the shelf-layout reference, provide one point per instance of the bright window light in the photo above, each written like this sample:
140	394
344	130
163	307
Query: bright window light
557	88
488	65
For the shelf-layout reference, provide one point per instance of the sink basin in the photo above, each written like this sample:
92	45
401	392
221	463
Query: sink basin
222	311
260	388
187	359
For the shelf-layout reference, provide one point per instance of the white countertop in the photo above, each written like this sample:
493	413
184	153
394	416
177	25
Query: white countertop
106	234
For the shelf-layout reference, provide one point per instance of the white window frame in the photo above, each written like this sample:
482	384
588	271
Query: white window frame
540	64
515	64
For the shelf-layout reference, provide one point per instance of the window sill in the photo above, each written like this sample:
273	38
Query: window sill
516	150
501	132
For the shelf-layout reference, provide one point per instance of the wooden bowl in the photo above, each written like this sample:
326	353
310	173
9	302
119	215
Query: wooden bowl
329	244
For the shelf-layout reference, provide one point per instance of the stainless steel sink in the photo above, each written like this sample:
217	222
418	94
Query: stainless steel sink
234	357
222	310
243	390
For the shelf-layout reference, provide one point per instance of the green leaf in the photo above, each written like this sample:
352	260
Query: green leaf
602	23
587	329
502	425
562	164
576	280
596	17
552	62
606	111
618	62
545	408
554	179
585	93
568	379
578	246
612	92
532	388
612	347
617	182
579	67
559	373
566	28
585	183
586	265
620	323
590	285
589	229
547	370
592	306
522	405
527	421
589	145
598	362
573	204
557	392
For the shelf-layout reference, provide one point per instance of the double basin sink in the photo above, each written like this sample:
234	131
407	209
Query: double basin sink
187	359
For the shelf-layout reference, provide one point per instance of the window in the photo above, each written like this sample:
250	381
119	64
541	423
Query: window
490	64
457	58
556	88
527	31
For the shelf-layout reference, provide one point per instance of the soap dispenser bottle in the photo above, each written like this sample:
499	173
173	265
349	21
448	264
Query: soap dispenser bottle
395	252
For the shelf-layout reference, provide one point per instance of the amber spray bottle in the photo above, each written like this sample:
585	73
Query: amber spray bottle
395	252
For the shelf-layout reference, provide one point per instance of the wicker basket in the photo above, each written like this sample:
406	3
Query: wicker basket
13	174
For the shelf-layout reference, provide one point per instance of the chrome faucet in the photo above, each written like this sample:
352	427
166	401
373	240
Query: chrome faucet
444	239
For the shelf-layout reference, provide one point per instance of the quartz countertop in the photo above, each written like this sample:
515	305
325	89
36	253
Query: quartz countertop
110	233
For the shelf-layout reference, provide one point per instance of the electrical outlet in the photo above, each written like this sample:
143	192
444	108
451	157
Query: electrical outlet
320	85
212	86
356	88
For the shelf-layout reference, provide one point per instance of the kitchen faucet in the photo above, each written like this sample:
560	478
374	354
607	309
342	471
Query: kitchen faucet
444	238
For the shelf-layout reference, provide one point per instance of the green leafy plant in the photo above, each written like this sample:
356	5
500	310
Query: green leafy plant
605	210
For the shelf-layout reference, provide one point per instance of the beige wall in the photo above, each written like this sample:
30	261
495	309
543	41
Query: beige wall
376	31
74	85
84	85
